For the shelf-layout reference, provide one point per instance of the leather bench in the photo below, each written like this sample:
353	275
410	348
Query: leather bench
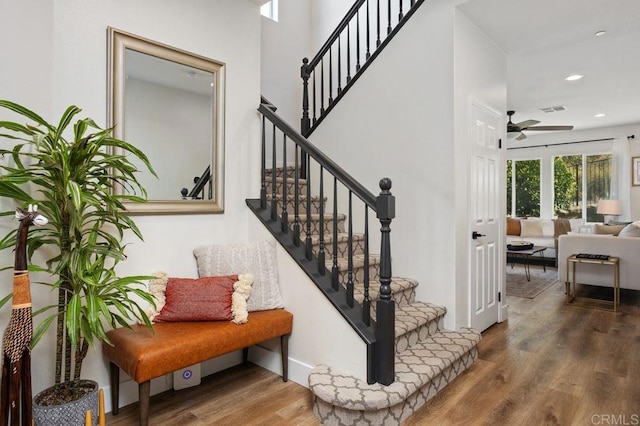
175	345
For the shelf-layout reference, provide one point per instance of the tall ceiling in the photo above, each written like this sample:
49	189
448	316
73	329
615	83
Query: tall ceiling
547	40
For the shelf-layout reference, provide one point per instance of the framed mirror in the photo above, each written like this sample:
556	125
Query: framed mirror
170	104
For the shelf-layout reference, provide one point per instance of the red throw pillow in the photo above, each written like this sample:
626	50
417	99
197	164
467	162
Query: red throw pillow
201	299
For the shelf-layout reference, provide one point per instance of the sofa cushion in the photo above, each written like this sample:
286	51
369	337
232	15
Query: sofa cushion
631	230
531	228
607	229
513	226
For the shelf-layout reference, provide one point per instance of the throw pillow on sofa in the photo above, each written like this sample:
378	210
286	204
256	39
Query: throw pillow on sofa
631	230
531	228
607	229
513	226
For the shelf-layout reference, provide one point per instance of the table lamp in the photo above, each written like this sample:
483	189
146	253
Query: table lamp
609	208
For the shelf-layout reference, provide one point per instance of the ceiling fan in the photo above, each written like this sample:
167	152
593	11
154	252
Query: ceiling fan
519	128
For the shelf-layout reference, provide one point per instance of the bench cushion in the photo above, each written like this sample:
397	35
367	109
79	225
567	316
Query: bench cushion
175	345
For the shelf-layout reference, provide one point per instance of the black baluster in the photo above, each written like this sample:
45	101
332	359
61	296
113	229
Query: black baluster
305	123
274	197
389	17
358	41
335	283
348	55
321	254
263	168
378	21
330	76
413	2
385	307
285	192
309	243
400	15
321	87
366	57
350	257
366	303
314	96
339	66
296	201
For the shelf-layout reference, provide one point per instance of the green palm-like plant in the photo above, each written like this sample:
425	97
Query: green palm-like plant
72	181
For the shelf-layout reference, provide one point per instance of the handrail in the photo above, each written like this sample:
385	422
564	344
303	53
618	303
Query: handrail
345	178
334	35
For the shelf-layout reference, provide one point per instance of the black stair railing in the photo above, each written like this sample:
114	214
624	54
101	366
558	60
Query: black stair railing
361	30
199	185
310	250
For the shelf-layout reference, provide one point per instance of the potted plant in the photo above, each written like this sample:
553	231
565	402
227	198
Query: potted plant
72	180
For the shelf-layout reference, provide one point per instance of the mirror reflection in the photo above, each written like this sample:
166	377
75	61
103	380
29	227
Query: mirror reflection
168	103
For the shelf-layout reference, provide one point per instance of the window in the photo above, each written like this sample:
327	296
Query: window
270	10
580	181
523	188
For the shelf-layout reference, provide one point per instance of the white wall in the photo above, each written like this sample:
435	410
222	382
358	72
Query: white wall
54	55
397	121
480	71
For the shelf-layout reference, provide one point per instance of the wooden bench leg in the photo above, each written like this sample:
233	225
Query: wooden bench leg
114	381
144	391
284	349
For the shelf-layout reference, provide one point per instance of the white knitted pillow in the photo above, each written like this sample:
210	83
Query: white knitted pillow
255	257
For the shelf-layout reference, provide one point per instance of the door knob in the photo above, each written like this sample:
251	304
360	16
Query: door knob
475	235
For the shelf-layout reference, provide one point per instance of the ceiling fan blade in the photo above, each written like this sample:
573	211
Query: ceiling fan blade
550	128
527	123
521	136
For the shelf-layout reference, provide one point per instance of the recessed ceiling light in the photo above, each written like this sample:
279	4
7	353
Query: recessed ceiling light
600	33
574	77
600	115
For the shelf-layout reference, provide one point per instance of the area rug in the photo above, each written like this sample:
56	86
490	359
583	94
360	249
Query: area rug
517	284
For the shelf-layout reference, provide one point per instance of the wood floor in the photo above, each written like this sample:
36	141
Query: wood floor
549	364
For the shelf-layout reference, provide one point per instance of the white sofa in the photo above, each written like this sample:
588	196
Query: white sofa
548	232
626	248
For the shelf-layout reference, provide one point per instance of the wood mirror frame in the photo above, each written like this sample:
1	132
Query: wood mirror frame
120	46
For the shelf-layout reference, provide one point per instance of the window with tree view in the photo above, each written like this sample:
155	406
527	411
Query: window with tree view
580	181
523	188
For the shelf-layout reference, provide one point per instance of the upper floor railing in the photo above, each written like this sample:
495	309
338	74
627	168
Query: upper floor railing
360	36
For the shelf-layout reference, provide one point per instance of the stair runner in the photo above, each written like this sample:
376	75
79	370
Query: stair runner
428	357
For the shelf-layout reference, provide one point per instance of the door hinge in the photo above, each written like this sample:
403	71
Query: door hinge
499	296
499	143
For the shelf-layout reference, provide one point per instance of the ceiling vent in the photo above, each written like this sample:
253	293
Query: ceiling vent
553	108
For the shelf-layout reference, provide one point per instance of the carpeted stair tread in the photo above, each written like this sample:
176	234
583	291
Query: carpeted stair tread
415	367
343	237
316	216
415	315
358	262
290	180
398	285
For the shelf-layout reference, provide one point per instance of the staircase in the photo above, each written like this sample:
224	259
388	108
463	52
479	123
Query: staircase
320	215
424	356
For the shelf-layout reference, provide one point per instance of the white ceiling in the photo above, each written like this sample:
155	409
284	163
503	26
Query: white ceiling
547	40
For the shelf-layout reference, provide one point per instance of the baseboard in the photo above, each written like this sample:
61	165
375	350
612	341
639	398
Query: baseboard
298	371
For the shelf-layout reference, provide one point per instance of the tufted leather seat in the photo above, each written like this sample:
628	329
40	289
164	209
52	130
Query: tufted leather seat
175	345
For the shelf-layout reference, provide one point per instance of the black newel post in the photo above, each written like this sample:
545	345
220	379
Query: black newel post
385	308
305	122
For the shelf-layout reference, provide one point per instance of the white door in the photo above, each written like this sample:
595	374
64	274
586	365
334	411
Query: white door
485	253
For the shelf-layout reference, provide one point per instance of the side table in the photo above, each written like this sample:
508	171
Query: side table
570	285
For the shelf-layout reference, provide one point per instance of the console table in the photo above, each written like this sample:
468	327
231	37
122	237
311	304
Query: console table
570	285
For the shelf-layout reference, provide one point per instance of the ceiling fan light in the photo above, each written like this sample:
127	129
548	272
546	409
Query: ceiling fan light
574	77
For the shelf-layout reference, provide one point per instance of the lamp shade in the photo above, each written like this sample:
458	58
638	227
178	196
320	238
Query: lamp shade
611	207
